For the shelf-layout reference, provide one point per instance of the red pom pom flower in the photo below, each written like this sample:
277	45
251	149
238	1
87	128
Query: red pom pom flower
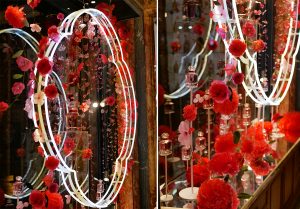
249	30
53	33
218	91
15	16
224	163
37	199
237	47
201	174
87	153
238	78
44	66
225	143
190	112
229	106
52	163
258	45
51	91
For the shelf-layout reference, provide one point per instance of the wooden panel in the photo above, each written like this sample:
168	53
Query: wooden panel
288	181
275	194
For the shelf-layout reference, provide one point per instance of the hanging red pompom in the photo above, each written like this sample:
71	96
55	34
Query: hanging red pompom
237	47
37	199
52	163
201	174
229	106
225	143
51	91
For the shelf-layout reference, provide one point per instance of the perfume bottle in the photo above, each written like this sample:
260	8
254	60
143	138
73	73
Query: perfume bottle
224	124
208	102
186	153
164	136
18	186
200	142
246	115
100	190
191	78
165	147
72	117
169	107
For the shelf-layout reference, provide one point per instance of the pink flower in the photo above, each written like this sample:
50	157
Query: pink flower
238	78
249	30
230	68
221	33
60	16
35	28
28	108
18	88
3	106
24	64
53	33
184	137
219	91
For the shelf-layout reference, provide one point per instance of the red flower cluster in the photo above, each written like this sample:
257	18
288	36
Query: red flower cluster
237	47
212	44
110	101
201	174
260	167
229	106
198	29
218	91
44	66
249	30
33	3
3	106
246	146
37	199
238	78
258	45
225	143
226	163
52	163
15	16
69	146
53	33
53	187
216	194
190	112
55	200
48	180
87	154
51	91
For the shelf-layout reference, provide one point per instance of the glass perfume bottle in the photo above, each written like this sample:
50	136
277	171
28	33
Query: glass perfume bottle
186	153
246	115
100	190
169	107
208	102
165	147
200	142
18	186
224	124
191	78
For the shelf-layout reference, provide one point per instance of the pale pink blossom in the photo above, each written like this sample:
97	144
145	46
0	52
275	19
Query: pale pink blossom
184	137
218	14
39	98
24	64
29	108
18	88
35	28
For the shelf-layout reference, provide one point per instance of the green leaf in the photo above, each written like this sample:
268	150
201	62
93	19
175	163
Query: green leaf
269	159
18	54
17	76
244	196
236	137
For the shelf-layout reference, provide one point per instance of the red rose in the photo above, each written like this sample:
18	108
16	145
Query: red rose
37	199
51	91
237	47
87	153
212	44
52	163
53	33
219	91
249	30
225	143
55	200
258	45
44	66
21	152
110	101
15	16
238	78
3	106
190	112
215	193
33	3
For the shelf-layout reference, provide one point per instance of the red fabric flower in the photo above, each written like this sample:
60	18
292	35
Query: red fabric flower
212	44
224	163
53	33
15	16
69	145
33	3
52	163
48	179
218	91
53	187
201	174
260	167
44	66
260	149
229	106
249	30
225	143
238	78
51	91
289	125
21	152
55	200
40	150
216	194
37	199
3	106
24	64
110	101
258	45
190	112
276	117
198	29
247	146
161	92
42	46
18	88
175	46
237	47
87	153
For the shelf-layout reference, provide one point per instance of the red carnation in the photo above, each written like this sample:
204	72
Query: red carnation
218	91
258	45
3	106
52	163
237	47
53	33
247	146
201	174
216	194
224	163
15	16
53	187
33	3
48	179
175	46
212	44
87	153
190	112
51	91
260	167
55	201
37	199
21	152
238	78
69	145
229	106
225	143
249	30
44	66
260	149
110	101
198	29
